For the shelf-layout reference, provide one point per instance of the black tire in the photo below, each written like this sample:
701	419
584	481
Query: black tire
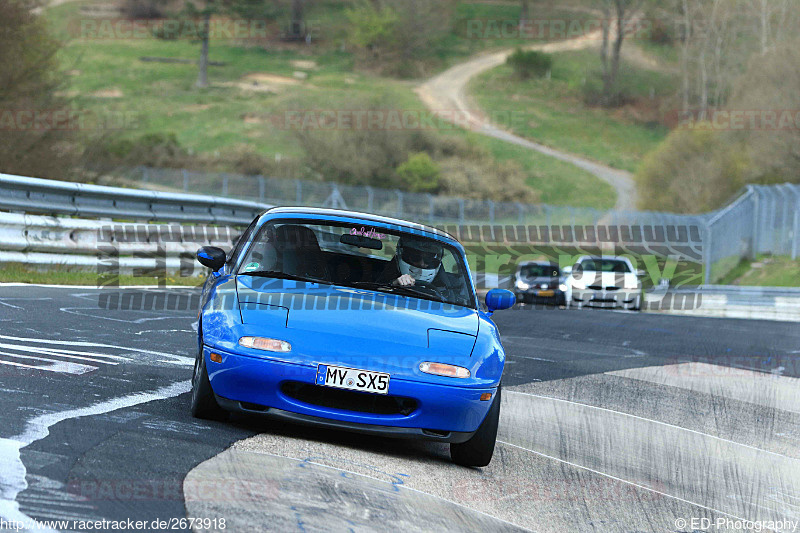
204	405
478	450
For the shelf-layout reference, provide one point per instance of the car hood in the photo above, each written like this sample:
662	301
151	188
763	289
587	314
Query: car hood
609	279
540	279
358	328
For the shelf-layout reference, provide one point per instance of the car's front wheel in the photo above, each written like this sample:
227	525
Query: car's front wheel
204	405
478	450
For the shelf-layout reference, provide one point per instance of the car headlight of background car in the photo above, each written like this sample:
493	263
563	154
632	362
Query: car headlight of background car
523	286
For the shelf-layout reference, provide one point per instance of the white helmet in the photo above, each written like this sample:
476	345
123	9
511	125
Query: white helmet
419	258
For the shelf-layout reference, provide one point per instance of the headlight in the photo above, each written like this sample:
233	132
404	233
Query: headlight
441	369
544	286
562	287
268	345
521	285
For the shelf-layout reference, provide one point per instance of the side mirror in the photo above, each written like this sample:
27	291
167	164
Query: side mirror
499	299
211	257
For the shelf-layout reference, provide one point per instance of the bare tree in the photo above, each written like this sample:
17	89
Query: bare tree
205	10
525	14
617	15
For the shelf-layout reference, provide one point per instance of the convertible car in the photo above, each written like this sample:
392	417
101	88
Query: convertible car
351	321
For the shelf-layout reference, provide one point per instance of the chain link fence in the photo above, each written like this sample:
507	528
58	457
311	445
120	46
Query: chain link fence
763	220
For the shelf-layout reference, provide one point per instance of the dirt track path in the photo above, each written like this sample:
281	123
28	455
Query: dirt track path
447	92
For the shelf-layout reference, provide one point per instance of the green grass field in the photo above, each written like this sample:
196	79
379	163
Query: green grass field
552	111
108	78
770	271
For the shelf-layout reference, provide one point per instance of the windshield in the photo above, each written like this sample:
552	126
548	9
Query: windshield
604	265
539	271
360	256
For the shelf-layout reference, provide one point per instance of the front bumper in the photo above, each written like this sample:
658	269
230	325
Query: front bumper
254	386
540	295
626	299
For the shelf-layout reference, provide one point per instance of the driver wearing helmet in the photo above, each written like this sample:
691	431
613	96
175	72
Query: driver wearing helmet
417	260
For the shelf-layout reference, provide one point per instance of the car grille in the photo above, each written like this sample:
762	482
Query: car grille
600	288
346	400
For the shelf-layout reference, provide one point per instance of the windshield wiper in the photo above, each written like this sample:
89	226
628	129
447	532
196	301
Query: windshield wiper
283	275
376	285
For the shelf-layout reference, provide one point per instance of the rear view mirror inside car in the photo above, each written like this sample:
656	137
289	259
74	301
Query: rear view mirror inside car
361	241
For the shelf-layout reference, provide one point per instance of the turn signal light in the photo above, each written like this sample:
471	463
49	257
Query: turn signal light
262	343
486	396
441	369
217	358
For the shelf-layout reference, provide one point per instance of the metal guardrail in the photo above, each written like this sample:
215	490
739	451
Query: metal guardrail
51	197
103	245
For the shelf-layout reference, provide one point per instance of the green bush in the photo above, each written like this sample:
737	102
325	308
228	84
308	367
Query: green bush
692	171
420	173
529	64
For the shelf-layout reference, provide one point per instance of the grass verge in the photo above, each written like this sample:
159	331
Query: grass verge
62	275
765	271
552	111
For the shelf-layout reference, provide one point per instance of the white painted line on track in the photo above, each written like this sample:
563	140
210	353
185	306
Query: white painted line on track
179	359
615	478
75	311
62	367
12	470
672	426
67	354
91	288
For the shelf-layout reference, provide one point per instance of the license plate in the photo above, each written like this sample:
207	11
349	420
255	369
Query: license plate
353	379
546	293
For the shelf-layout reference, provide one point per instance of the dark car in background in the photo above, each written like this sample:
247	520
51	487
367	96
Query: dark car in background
538	282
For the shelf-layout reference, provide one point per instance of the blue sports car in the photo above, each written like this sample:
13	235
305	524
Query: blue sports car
351	321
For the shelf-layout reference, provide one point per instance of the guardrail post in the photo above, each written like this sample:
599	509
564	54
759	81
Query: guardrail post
491	212
224	185
707	261
795	222
262	188
787	235
399	204
185	180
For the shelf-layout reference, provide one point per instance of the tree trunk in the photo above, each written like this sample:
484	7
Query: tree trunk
202	74
685	44
524	16
297	31
604	53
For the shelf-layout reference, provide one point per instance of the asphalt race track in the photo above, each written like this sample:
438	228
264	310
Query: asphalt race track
611	421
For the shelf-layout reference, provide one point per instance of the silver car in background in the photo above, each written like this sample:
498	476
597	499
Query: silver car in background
603	281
